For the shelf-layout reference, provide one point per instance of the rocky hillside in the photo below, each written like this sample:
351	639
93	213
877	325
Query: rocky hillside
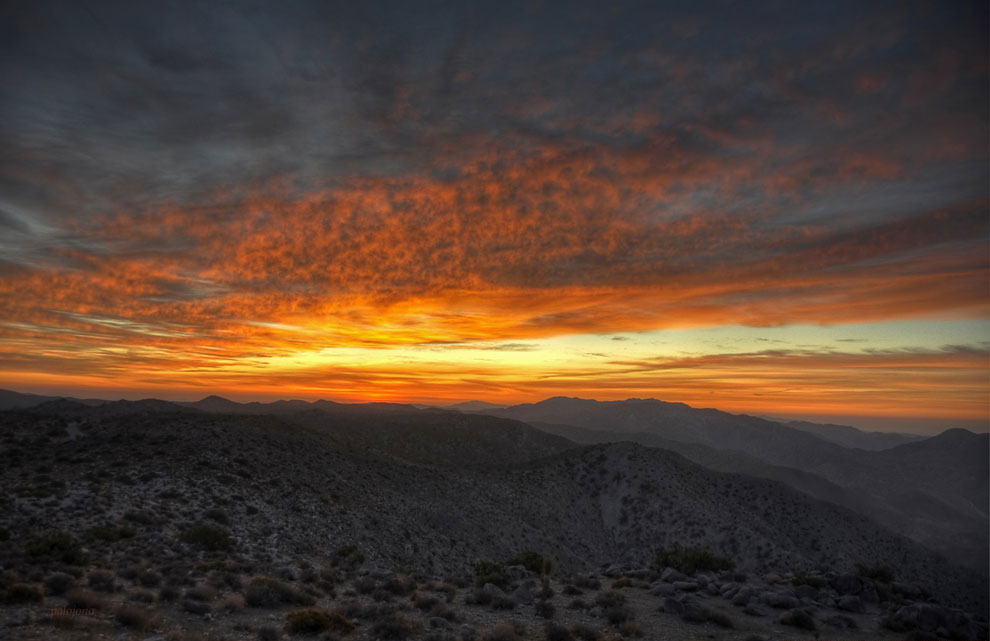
295	485
935	490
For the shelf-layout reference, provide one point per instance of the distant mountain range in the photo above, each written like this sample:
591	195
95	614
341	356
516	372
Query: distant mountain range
934	490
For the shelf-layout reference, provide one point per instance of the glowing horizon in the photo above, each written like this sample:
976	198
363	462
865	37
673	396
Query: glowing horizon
771	210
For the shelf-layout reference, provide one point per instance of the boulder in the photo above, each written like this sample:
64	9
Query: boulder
806	592
847	584
662	589
850	603
685	586
780	600
670	575
694	611
493	590
743	596
673	606
522	595
516	572
841	622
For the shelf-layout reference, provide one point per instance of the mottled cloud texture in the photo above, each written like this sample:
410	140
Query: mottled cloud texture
184	186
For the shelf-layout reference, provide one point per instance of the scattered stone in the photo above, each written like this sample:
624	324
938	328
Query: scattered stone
780	600
847	584
673	606
670	575
662	589
806	592
842	622
522	595
685	586
850	603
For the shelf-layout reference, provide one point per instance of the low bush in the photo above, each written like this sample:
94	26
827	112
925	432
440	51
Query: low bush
532	561
489	572
59	546
690	559
84	599
208	537
266	592
59	583
309	621
133	616
23	593
799	618
875	571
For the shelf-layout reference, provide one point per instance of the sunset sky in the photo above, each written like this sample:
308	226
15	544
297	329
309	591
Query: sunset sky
774	208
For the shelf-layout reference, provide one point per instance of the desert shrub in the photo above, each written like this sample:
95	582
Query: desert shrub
348	557
631	629
720	619
424	602
501	631
59	583
555	632
79	598
579	604
142	596
202	592
617	614
233	603
532	561
101	580
489	572
393	628
545	609
587	582
478	597
168	593
624	582
610	598
690	559
443	611
60	546
503	603
309	621
875	571
266	592
802	578
142	518
340	623
572	590
208	537
585	632
268	633
23	593
110	533
133	616
149	578
218	515
399	585
798	618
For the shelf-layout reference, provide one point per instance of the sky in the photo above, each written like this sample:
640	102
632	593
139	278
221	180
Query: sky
774	208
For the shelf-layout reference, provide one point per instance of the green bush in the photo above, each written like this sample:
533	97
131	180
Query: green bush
875	571
310	621
489	572
532	561
207	536
690	559
60	546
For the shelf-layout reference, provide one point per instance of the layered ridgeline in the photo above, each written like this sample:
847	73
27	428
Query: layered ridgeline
422	489
933	490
